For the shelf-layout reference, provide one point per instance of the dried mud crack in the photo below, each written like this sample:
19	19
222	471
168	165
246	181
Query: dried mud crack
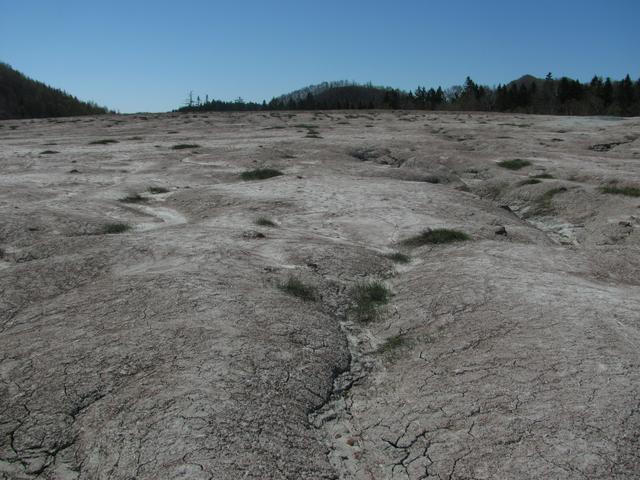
196	313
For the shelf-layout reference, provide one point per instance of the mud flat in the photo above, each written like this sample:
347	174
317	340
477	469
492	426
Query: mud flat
417	295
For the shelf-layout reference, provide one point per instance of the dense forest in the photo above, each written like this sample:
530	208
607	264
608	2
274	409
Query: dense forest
528	94
22	97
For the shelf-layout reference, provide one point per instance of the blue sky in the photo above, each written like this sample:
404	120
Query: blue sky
140	55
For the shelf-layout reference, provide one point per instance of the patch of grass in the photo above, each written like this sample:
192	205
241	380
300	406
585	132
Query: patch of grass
495	191
294	286
265	222
134	138
48	152
515	164
369	299
543	175
431	179
260	174
436	236
133	198
105	141
184	146
529	181
113	228
544	204
392	344
629	191
157	190
398	257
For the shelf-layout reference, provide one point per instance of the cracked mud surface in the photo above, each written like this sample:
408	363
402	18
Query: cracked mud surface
170	350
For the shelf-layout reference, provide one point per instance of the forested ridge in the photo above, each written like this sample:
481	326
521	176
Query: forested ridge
23	97
528	94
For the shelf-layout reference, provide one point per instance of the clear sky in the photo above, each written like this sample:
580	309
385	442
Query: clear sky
138	55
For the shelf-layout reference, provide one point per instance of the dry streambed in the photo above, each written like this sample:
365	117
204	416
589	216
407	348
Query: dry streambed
319	295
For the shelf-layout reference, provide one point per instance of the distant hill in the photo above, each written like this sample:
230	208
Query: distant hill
343	95
527	80
23	97
325	90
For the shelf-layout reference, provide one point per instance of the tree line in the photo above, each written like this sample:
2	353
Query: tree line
556	96
23	97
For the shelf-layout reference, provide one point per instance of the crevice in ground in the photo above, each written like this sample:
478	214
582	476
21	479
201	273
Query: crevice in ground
333	419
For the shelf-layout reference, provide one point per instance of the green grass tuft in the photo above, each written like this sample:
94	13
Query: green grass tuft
112	228
398	257
265	222
431	179
529	181
260	174
184	146
436	236
294	286
515	164
157	190
392	344
369	300
544	204
133	198
629	191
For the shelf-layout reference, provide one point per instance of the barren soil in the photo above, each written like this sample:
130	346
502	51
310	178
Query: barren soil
172	351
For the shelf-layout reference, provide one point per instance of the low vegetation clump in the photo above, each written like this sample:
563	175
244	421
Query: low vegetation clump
294	286
398	257
515	164
157	190
544	204
392	344
543	175
133	198
260	174
436	236
629	191
265	222
185	146
48	152
105	141
529	181
369	300
112	228
495	191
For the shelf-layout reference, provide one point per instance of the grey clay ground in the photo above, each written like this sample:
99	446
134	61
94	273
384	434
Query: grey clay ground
169	351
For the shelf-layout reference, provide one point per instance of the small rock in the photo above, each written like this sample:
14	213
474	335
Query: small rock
351	441
624	224
501	230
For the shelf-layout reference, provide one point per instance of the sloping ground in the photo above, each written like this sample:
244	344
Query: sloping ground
171	350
